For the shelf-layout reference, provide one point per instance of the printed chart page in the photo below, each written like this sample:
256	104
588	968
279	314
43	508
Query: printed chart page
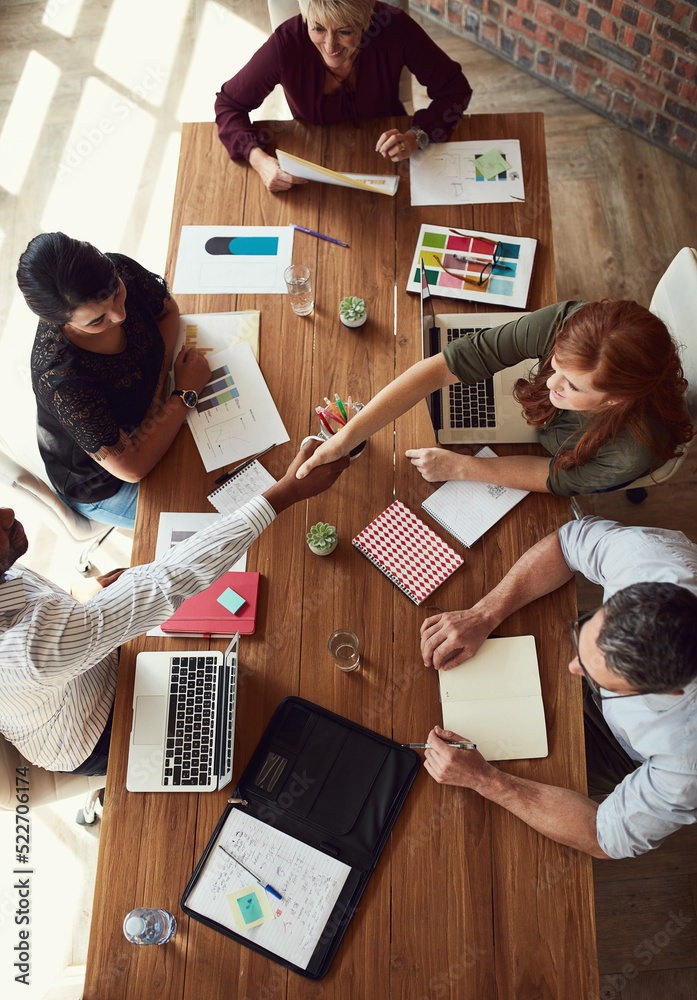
228	259
308	881
235	416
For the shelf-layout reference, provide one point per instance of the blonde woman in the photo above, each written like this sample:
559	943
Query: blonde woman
341	60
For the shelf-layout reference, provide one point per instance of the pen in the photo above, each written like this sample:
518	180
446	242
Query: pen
427	746
337	397
269	888
323	419
332	406
478	260
228	475
328	413
349	403
320	236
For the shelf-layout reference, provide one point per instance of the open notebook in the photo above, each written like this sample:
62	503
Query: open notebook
495	700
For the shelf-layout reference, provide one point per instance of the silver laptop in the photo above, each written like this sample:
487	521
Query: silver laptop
183	729
482	413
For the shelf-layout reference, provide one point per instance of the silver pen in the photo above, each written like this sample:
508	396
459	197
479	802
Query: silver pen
427	746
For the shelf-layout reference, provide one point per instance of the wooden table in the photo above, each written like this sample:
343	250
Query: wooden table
466	901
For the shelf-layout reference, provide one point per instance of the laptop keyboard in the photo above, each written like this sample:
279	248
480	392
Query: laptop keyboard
189	741
471	405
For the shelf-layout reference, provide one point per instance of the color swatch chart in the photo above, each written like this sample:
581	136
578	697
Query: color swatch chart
446	252
221	389
454	261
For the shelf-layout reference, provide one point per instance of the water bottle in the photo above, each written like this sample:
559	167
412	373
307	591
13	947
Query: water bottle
149	926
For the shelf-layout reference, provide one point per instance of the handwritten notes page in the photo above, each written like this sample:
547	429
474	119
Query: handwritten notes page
241	487
467	509
310	883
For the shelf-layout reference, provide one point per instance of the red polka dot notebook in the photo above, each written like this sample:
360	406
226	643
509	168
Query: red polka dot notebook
407	551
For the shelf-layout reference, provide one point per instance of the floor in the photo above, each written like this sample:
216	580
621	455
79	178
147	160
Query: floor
90	112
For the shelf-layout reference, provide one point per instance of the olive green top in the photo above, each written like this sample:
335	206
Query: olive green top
476	357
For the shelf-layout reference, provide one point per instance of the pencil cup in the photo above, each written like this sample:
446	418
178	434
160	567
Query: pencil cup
343	646
299	285
326	436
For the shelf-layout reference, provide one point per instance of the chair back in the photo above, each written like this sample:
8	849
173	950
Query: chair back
674	301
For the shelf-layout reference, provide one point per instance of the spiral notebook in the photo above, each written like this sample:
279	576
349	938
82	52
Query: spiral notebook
249	481
467	509
408	552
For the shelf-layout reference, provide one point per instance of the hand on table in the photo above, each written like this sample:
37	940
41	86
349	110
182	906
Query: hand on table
396	146
452	637
449	766
437	465
191	370
268	168
290	489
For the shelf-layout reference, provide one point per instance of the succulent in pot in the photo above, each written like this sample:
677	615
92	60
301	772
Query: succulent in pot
322	538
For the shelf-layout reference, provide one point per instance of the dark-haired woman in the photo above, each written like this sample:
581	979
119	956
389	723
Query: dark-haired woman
103	347
607	394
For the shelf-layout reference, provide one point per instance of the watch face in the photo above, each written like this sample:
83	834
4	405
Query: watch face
190	398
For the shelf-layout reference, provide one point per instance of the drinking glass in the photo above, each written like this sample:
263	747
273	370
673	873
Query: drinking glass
299	285
343	646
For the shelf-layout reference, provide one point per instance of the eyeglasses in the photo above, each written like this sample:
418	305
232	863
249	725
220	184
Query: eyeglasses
575	626
475	278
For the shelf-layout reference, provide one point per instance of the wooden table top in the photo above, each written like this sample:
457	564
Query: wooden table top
466	901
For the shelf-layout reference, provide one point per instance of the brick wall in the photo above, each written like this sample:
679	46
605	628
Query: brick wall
634	61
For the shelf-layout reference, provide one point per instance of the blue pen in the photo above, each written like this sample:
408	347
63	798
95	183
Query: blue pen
269	888
320	236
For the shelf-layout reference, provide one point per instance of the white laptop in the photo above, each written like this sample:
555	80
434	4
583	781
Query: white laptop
483	413
183	729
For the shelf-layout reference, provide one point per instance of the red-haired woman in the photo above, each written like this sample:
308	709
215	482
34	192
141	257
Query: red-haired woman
607	393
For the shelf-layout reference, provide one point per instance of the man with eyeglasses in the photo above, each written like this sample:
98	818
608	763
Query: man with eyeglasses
638	656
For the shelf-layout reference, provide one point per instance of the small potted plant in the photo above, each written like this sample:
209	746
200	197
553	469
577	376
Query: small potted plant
352	311
322	538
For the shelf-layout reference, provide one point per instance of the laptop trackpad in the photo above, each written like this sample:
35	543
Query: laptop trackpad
149	721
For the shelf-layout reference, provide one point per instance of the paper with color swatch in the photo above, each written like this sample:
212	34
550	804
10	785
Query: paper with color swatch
465	173
213	332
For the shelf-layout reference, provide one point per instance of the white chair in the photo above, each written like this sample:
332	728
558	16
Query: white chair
675	302
45	787
283	10
30	489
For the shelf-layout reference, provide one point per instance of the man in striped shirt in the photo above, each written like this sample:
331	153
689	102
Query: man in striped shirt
59	658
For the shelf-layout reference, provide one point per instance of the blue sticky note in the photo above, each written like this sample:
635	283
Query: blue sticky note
231	601
249	908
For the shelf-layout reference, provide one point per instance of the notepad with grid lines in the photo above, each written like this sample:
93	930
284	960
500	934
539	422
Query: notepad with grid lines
408	552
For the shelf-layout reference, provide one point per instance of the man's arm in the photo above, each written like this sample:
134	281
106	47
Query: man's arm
144	596
454	636
557	813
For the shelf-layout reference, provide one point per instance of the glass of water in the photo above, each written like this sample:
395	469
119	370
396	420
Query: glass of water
299	285
343	645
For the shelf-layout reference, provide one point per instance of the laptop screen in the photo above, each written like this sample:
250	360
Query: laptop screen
430	346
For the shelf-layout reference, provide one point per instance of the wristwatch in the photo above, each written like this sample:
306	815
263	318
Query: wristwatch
422	139
189	397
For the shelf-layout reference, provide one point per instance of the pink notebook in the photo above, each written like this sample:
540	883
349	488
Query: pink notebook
407	551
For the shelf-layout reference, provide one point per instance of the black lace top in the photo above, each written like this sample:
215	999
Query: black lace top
84	399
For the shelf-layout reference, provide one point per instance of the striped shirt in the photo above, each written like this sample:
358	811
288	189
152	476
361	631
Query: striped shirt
59	658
